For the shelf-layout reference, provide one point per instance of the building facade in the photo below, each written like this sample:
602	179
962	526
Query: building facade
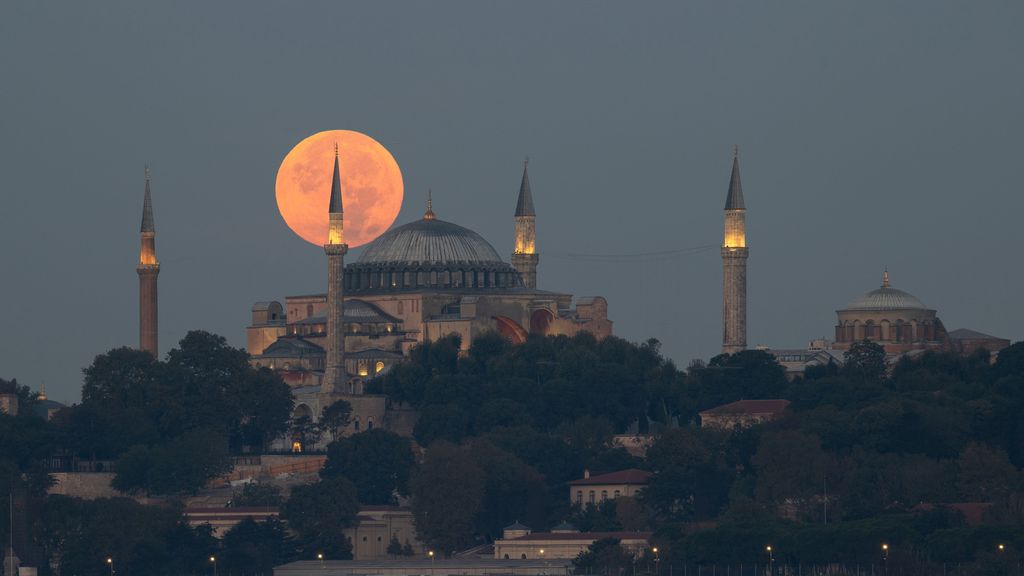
418	282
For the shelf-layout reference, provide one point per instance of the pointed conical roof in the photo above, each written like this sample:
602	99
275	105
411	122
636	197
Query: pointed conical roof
335	205
734	201
147	209
524	207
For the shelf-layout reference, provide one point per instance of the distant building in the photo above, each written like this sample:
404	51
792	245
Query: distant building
375	528
901	323
418	282
597	489
562	543
742	414
222	520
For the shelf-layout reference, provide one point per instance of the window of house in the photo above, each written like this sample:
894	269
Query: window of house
378	367
309	309
579	496
591	496
355	425
369	423
616	493
604	495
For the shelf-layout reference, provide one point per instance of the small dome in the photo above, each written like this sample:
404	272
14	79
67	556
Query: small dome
886	298
430	241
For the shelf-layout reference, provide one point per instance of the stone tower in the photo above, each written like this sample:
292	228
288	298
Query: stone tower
334	369
734	266
525	256
148	270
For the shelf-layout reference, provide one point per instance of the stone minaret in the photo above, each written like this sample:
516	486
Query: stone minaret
525	256
734	266
334	370
148	270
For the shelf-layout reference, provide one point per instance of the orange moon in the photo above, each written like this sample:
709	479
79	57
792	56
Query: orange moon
371	186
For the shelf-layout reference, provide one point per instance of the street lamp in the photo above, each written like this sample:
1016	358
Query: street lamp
1002	547
771	557
656	560
213	560
431	554
320	557
110	562
885	556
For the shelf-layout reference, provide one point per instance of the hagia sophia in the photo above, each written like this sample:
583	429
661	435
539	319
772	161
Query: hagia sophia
427	279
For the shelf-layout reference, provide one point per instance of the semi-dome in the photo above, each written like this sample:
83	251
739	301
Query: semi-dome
430	241
886	298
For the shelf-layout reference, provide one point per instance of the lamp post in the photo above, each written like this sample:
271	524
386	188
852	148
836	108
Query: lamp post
320	557
213	560
110	562
885	556
771	558
545	562
656	560
431	554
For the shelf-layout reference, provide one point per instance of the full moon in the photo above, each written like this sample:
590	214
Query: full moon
371	186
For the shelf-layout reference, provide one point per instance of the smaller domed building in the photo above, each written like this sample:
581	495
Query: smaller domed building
901	323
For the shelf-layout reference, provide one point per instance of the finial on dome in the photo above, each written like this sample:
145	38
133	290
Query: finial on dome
42	392
429	215
885	278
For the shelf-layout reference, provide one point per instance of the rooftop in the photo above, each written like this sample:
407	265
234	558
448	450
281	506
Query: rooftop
749	407
631	476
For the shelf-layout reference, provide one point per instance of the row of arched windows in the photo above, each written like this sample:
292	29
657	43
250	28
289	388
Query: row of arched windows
372	278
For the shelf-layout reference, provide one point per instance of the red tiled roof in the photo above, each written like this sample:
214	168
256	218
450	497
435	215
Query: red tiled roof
973	512
588	536
749	407
631	476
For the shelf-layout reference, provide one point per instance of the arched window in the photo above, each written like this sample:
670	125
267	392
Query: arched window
604	495
369	423
309	310
355	424
378	367
591	496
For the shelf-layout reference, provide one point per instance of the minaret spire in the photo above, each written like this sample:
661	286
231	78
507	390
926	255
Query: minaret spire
429	214
734	265
148	270
334	369
525	256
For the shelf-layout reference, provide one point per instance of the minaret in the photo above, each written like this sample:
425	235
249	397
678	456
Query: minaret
334	370
525	256
734	266
148	270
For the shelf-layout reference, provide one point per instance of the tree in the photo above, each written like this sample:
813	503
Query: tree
252	547
258	494
377	461
319	513
181	466
865	360
394	547
335	417
605	556
447	496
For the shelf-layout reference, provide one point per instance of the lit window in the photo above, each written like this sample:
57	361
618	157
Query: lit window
296	446
378	367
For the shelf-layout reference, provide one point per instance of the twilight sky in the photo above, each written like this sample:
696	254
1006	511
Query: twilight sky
871	134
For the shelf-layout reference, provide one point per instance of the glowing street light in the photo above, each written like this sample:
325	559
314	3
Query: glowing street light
320	557
885	556
431	554
213	560
771	557
1002	547
110	562
657	559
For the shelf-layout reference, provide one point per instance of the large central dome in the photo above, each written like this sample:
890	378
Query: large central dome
430	241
